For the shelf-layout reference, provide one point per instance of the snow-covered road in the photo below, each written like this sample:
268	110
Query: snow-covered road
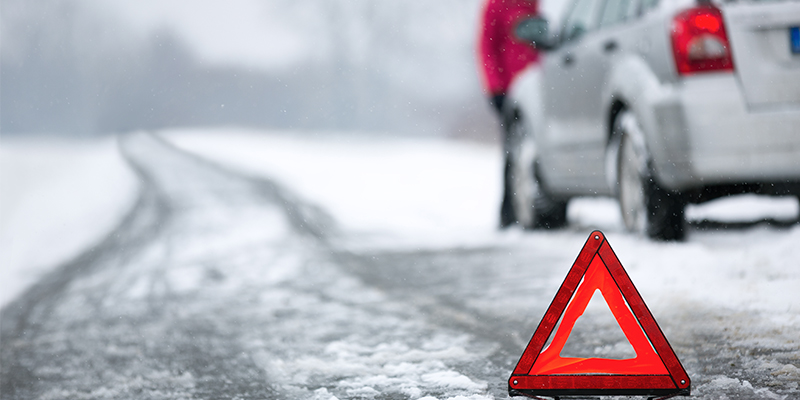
317	268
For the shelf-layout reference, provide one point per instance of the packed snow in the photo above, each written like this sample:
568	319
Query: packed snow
400	295
58	197
424	193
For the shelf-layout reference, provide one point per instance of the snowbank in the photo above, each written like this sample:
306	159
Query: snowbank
381	191
425	193
734	288
57	198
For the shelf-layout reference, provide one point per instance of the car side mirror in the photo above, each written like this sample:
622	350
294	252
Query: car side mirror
534	31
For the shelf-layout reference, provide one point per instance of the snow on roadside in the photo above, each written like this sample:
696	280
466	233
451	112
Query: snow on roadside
737	284
440	192
423	192
381	191
57	198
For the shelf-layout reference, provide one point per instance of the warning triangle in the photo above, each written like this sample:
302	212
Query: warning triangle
655	370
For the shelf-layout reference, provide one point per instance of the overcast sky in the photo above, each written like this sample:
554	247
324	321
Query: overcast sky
267	34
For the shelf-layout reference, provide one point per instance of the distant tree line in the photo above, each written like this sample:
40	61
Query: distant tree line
66	68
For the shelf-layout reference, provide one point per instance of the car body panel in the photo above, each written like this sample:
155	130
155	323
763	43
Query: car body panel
705	129
574	127
733	143
657	108
767	70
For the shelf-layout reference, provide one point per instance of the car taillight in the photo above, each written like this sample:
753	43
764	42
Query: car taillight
699	41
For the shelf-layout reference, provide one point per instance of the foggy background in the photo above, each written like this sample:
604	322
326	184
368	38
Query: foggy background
90	67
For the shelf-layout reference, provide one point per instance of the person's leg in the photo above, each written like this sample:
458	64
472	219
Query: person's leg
507	216
497	101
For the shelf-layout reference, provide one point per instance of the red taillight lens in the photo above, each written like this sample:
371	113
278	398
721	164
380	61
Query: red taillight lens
699	41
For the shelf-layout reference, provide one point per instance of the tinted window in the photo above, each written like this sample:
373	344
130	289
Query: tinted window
615	11
648	4
581	19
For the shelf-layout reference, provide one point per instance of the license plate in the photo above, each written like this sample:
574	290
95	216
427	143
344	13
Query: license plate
794	37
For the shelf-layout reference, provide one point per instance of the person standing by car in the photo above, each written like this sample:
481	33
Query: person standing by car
501	57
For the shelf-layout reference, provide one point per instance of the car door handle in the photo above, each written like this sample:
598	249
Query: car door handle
568	60
610	46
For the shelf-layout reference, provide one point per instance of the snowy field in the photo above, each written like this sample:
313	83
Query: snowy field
435	193
438	194
57	197
408	290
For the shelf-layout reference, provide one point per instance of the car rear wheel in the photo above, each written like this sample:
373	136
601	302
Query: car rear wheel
647	208
531	205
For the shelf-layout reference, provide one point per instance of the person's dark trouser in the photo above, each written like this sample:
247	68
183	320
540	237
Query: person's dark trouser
507	216
497	102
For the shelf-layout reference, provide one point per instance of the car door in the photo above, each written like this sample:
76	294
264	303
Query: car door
572	86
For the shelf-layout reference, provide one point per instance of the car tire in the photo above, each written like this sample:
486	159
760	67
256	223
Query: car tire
647	208
531	205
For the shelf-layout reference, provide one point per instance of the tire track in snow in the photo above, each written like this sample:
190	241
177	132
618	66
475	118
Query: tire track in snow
219	285
74	315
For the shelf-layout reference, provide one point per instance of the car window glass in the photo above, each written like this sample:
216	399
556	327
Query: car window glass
614	11
633	9
580	20
648	4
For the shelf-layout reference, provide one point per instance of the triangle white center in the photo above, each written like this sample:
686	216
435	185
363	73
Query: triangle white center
597	333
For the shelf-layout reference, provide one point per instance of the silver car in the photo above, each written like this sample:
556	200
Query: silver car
660	103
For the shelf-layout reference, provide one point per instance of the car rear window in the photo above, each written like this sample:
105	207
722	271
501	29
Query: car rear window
616	11
582	18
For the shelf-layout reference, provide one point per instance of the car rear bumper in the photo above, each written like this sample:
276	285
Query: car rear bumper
708	136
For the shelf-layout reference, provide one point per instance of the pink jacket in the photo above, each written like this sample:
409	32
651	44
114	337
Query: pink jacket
501	55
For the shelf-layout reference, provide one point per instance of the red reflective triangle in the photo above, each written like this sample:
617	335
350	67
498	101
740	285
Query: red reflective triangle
654	371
